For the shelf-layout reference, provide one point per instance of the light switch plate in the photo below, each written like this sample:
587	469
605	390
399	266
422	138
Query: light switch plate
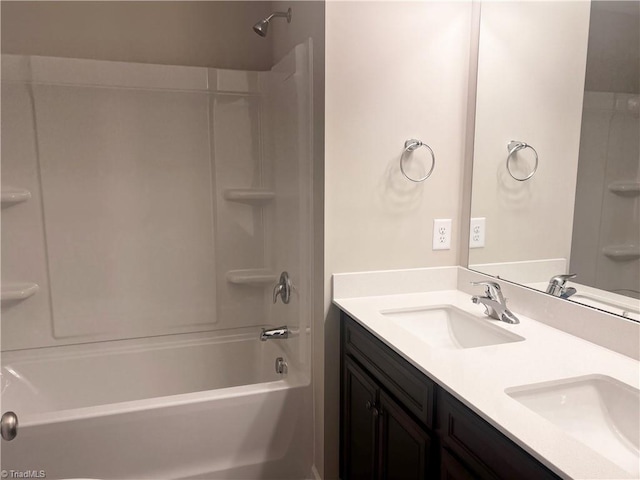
476	232
441	234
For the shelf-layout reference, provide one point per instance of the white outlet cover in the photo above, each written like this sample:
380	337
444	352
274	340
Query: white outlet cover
477	232
441	234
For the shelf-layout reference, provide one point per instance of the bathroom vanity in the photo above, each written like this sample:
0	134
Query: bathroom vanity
399	423
433	388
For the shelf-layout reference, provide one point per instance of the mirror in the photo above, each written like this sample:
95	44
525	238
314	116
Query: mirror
556	167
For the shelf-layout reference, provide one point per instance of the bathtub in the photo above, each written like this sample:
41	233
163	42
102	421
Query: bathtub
182	407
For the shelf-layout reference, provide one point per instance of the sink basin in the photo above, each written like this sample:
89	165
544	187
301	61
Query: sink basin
599	411
449	327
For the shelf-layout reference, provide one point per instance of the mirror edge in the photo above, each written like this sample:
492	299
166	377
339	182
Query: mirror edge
470	128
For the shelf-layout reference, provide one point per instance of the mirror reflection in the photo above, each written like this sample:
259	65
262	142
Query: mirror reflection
556	172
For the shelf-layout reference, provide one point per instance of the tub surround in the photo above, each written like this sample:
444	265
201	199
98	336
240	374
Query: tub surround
552	350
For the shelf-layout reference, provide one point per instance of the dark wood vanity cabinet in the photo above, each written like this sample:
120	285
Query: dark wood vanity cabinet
380	440
398	424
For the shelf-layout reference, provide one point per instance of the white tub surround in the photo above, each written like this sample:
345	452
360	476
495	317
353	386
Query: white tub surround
148	211
152	199
479	376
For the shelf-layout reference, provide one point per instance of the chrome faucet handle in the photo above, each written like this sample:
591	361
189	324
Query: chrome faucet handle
557	284
560	280
283	289
492	290
494	303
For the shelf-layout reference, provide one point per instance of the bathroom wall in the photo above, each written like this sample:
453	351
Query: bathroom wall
530	86
394	71
215	34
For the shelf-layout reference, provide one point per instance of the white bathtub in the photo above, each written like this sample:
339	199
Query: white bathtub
195	407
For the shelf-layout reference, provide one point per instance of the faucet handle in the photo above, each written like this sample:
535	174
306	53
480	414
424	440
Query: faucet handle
491	289
282	289
560	280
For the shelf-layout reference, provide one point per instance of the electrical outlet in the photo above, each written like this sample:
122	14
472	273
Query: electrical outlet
442	234
476	232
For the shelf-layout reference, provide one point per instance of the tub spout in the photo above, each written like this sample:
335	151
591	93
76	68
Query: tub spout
274	333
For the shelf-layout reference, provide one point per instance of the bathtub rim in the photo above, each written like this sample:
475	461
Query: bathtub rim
292	380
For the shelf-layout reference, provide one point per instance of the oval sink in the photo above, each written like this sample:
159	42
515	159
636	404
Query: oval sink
597	410
446	326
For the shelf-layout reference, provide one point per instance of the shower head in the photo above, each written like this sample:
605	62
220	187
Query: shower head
262	27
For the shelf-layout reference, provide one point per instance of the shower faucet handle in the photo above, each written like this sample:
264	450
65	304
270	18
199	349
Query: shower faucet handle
283	289
9	426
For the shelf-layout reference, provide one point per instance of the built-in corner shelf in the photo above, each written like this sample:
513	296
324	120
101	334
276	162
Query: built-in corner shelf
252	276
13	195
13	292
251	196
622	252
625	188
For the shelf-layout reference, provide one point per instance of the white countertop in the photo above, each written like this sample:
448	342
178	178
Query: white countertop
479	376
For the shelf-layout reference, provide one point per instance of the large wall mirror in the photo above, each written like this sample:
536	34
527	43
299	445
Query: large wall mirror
556	169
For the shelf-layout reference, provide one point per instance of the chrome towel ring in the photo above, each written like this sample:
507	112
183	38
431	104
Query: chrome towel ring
410	146
515	146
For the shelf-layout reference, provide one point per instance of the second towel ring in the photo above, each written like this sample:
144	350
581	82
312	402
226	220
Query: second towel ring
410	146
515	146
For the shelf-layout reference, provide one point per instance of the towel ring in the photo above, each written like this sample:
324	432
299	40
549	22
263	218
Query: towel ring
515	146
410	146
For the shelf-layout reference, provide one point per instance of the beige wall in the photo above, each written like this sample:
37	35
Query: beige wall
173	33
394	71
531	72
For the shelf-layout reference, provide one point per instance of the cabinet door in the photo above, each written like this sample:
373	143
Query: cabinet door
452	469
405	447
359	421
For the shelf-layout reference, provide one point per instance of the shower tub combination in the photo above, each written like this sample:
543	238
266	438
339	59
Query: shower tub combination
132	410
149	364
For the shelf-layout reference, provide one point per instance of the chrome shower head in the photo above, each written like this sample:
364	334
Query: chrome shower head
262	27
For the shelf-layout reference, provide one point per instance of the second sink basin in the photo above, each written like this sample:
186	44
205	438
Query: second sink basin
600	411
449	327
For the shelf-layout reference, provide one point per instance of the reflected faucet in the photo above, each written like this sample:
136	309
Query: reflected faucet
557	286
494	303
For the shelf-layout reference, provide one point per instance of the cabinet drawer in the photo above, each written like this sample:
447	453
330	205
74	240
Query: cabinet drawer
410	387
483	448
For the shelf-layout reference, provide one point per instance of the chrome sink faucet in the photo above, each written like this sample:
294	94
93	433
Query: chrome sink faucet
557	286
494	303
